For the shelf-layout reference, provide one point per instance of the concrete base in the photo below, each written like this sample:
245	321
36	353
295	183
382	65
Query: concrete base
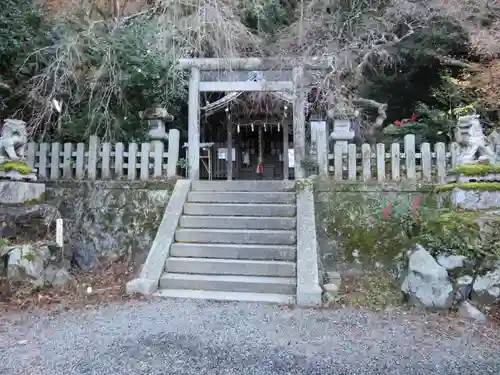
15	192
309	291
142	286
309	296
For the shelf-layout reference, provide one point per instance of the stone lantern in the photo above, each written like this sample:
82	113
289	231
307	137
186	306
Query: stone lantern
156	118
342	133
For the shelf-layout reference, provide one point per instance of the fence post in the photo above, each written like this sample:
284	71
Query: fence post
338	158
93	155
80	161
426	160
42	166
410	157
158	147
173	152
366	157
106	157
67	169
55	160
351	162
380	162
31	154
441	161
132	161
395	165
144	170
119	160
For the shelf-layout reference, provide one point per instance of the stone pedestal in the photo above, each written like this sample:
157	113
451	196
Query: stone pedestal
493	177
475	199
16	176
14	192
472	192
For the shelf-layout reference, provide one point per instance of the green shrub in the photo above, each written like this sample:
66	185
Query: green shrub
381	229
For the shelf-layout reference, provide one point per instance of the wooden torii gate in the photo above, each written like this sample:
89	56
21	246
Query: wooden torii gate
296	86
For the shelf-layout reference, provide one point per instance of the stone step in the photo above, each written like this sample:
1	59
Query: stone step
223	283
230	267
212	295
230	251
241	197
236	236
237	222
243	185
248	209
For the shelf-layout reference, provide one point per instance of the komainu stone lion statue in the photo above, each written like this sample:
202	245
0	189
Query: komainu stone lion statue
13	139
475	146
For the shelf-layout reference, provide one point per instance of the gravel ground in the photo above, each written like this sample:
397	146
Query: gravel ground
197	337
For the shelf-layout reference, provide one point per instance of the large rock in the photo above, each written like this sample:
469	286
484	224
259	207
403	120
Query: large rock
56	276
27	262
27	223
451	262
39	263
467	310
426	282
84	257
486	288
463	288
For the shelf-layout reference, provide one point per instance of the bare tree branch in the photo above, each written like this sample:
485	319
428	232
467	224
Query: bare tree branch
381	48
457	63
5	86
380	107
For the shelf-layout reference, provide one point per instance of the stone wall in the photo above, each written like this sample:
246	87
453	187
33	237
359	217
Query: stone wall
110	218
349	230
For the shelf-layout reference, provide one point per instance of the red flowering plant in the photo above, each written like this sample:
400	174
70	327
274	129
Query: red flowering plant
401	123
427	124
407	215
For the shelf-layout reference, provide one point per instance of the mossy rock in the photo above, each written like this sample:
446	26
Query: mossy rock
485	186
16	166
477	169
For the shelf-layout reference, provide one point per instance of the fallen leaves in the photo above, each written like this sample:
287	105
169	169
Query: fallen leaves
375	290
104	285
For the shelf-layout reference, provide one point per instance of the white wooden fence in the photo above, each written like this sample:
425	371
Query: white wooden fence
394	162
102	160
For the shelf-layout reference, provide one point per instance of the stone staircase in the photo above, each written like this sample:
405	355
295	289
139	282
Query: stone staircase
236	240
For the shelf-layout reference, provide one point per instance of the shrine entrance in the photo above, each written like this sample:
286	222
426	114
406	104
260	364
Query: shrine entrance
254	128
259	150
254	147
263	147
